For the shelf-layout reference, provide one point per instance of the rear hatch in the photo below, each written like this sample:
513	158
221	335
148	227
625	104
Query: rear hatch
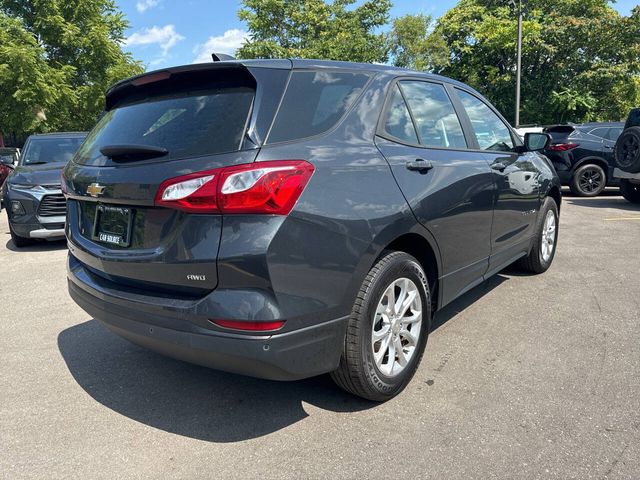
156	127
560	133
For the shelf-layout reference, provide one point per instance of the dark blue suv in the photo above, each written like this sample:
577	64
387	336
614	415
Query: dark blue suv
289	218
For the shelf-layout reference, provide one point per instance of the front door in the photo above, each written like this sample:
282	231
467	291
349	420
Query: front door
517	183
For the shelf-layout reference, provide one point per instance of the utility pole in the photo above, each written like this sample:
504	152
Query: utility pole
519	68
517	5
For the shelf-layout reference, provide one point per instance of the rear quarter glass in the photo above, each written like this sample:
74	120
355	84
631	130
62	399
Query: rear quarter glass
314	103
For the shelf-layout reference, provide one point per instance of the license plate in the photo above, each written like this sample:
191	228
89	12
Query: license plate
113	225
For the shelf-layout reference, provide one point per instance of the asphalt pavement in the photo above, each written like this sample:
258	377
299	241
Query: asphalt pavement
523	377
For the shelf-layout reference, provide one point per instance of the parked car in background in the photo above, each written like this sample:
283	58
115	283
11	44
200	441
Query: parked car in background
627	155
8	159
289	218
522	131
584	161
35	206
605	130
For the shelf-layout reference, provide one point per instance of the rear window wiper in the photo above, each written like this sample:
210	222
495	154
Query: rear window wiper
132	152
35	163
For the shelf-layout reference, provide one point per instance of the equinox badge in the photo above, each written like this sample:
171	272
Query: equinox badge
95	189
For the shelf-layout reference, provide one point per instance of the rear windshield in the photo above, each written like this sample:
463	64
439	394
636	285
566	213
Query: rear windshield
190	124
39	151
314	103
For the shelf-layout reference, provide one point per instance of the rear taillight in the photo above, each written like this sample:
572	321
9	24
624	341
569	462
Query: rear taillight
562	147
262	187
249	326
195	192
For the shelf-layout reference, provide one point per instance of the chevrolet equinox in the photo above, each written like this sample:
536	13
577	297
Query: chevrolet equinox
289	218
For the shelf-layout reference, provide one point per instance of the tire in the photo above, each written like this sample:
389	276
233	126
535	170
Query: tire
627	150
362	370
539	260
588	181
630	191
18	241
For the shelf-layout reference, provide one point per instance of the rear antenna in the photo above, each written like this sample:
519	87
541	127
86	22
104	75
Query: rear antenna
220	57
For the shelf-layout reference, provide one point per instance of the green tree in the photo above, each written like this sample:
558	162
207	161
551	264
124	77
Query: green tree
581	58
29	87
315	29
411	44
57	58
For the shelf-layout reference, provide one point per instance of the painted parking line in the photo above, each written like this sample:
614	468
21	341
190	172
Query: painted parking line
616	219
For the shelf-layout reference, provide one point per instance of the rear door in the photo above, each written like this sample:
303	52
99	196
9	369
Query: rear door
449	187
197	121
516	177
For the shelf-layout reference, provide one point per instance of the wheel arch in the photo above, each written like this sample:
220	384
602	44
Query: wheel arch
418	244
556	195
601	162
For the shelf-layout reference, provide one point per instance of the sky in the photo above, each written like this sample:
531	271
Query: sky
165	33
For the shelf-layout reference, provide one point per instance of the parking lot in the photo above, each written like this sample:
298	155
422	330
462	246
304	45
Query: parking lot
535	377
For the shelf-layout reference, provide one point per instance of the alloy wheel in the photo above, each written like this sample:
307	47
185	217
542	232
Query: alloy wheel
548	236
396	328
590	180
629	149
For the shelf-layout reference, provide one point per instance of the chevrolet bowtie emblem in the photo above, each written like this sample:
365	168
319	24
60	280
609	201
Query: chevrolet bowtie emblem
95	189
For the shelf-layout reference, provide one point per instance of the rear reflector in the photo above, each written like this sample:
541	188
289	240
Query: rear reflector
562	147
262	187
249	326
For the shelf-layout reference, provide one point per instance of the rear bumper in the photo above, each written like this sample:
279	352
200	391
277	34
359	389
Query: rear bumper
565	176
292	355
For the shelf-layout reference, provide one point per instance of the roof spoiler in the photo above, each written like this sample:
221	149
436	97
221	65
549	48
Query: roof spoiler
174	78
221	57
559	129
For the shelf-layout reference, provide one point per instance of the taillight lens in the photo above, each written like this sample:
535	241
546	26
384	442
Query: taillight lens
263	187
563	147
194	193
249	326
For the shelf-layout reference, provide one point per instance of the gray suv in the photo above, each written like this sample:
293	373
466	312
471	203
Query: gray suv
289	218
31	194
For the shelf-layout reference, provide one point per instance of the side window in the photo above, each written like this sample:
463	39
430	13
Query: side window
436	120
490	130
314	103
614	133
398	121
600	132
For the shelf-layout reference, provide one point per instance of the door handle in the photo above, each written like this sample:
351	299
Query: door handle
419	165
501	167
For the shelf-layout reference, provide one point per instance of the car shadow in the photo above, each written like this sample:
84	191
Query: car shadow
607	192
187	399
615	202
198	402
454	308
40	246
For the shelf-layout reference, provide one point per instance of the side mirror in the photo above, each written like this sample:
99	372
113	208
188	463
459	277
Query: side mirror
536	142
7	160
